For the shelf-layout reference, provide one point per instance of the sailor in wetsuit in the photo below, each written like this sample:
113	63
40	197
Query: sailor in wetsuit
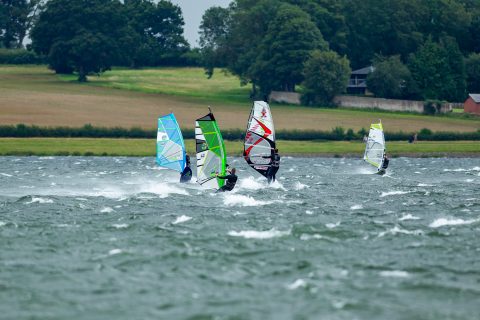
186	175
231	181
385	162
272	171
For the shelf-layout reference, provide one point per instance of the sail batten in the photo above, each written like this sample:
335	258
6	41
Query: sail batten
259	142
211	155
170	145
375	146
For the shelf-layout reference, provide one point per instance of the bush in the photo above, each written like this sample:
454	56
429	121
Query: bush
336	134
19	56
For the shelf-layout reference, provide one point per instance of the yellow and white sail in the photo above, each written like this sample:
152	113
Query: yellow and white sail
375	147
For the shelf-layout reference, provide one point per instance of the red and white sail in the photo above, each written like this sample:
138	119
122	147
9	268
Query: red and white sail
260	138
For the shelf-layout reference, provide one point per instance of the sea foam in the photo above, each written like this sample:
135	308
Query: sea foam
450	222
393	193
181	219
395	274
252	234
232	200
40	200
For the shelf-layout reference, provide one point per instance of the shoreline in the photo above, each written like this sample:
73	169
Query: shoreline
147	147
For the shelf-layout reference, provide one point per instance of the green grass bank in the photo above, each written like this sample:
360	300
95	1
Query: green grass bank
146	147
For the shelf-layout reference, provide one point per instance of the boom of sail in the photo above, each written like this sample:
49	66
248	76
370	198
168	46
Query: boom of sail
259	143
170	145
375	148
211	154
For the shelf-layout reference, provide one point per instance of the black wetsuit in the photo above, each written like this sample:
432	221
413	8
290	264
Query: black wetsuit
385	163
272	171
186	175
231	181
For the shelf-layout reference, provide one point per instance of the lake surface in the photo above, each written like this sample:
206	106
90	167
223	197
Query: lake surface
119	238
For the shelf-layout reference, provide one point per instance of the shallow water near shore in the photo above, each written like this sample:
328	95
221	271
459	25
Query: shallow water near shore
119	238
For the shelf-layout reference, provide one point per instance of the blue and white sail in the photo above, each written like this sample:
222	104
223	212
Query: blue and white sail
170	145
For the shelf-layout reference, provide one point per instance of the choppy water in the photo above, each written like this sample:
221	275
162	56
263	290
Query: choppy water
118	238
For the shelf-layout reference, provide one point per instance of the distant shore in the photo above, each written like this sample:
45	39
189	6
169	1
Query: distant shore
146	148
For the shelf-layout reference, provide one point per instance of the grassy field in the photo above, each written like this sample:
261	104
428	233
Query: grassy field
146	147
127	98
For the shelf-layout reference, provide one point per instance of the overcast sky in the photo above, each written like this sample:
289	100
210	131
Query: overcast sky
193	11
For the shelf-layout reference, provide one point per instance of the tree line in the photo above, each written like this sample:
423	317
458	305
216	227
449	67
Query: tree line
89	36
420	49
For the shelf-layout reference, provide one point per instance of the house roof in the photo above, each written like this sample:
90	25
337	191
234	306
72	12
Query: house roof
365	70
475	97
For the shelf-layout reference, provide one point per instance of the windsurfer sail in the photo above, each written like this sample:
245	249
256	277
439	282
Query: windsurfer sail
211	154
259	143
170	146
375	147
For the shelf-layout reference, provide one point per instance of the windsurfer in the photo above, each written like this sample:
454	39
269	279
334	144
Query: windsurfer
186	175
231	181
385	162
272	171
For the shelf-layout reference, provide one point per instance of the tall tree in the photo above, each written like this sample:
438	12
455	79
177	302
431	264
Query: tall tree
439	71
16	18
290	39
214	30
326	75
472	64
81	35
159	31
391	79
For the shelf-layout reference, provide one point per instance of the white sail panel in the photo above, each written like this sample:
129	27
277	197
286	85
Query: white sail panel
375	147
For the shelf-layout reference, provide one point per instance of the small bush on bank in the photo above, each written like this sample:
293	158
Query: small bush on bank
19	56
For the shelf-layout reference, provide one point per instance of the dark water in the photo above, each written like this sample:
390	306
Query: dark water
118	238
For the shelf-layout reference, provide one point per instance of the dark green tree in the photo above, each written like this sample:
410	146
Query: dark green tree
16	18
157	31
472	64
82	35
439	71
391	79
214	30
290	39
326	75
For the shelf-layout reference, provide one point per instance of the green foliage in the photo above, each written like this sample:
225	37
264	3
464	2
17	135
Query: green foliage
213	38
84	35
472	66
336	134
19	56
290	38
326	75
16	18
439	70
391	79
155	32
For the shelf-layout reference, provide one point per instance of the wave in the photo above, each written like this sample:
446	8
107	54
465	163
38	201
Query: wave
5	174
393	193
232	200
451	222
252	234
408	217
39	200
356	207
182	219
114	252
2	224
106	210
120	226
395	274
397	230
299	283
300	186
251	183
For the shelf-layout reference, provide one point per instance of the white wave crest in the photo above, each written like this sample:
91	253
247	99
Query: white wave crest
2	224
114	252
251	183
6	174
299	283
181	219
252	234
332	225
450	222
425	185
356	207
120	226
232	200
408	217
300	186
395	274
393	193
396	230
106	210
40	200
